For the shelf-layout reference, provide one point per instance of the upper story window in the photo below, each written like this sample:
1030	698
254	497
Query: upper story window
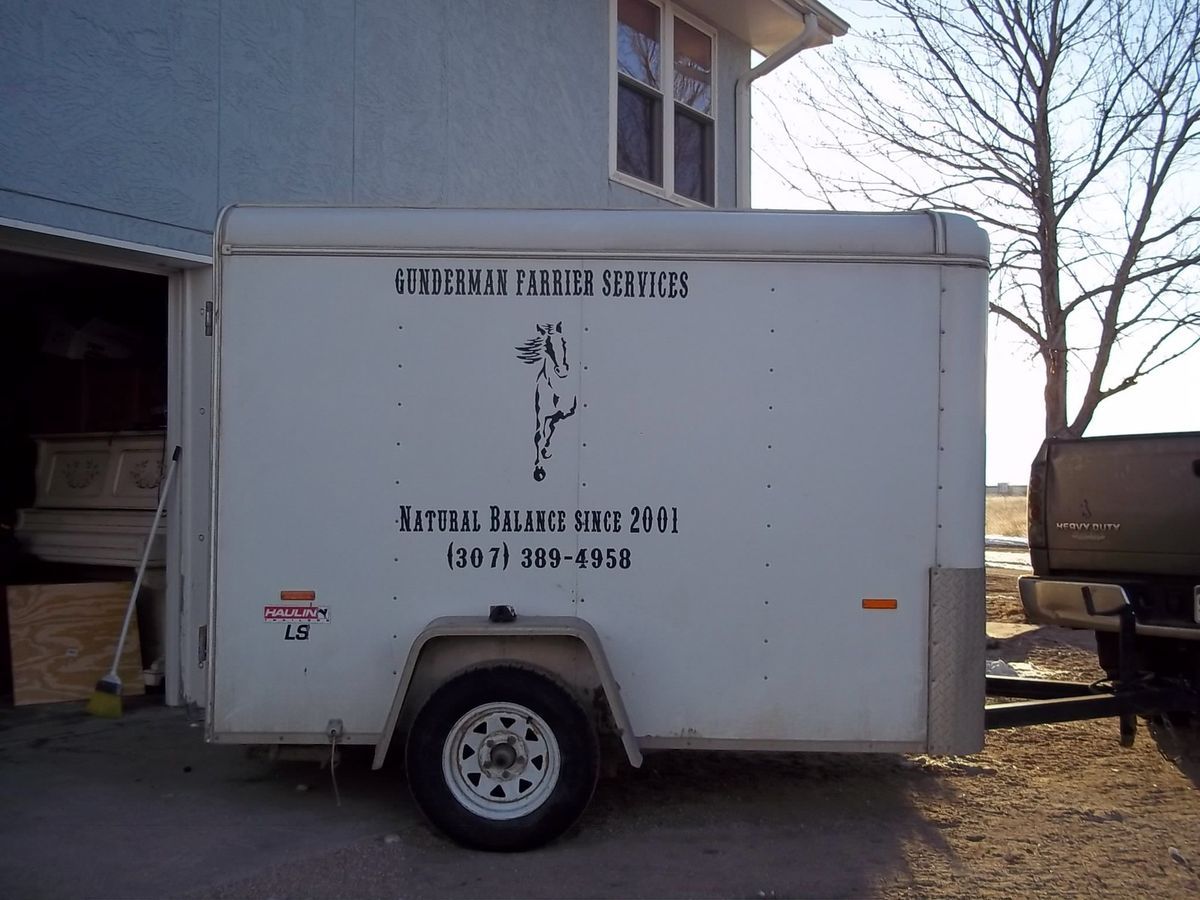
664	127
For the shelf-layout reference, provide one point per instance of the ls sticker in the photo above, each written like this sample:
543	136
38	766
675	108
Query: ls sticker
553	397
300	616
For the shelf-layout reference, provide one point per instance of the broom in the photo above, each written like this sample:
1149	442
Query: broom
106	699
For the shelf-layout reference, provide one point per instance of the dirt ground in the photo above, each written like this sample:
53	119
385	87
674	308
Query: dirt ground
146	809
1063	809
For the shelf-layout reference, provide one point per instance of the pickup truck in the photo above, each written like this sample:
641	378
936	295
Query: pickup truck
1113	514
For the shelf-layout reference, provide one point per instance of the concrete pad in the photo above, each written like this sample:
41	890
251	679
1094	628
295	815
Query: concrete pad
1002	631
141	806
1008	558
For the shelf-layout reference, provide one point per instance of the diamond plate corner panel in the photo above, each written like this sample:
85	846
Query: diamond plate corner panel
957	646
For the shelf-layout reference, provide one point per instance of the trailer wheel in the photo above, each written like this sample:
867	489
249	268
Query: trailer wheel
502	758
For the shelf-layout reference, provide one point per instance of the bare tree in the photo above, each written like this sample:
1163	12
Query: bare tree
1070	128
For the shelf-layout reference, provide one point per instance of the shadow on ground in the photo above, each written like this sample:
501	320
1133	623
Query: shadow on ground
141	806
687	824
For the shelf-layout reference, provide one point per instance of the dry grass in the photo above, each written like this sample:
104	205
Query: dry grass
1006	516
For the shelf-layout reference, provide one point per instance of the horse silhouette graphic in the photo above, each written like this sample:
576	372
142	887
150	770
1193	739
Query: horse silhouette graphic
553	398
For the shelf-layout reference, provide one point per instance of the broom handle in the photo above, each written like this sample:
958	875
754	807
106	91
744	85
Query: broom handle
137	584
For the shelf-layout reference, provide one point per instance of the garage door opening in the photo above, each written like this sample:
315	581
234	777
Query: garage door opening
83	416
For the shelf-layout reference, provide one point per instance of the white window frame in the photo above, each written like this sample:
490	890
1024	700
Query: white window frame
668	12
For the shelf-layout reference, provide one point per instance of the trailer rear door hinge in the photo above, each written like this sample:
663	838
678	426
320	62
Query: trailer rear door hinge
208	318
202	647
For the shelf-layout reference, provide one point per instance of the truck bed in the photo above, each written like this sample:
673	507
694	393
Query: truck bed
1123	504
1117	512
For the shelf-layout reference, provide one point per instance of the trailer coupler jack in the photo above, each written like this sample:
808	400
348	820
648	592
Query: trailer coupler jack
1044	701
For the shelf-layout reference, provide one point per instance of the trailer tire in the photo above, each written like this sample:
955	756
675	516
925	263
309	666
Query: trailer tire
502	758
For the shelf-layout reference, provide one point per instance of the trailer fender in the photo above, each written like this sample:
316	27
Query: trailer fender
545	628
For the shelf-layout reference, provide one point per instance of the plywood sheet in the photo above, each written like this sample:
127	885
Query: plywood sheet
63	637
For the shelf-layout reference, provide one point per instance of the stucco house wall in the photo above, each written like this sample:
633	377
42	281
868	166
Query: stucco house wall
126	125
137	120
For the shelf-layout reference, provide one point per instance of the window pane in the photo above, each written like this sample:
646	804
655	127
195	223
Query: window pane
694	168
639	129
693	67
638	41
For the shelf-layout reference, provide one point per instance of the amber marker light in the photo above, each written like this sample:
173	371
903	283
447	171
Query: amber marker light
879	603
297	596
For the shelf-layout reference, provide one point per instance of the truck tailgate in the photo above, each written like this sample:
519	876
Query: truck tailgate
1124	504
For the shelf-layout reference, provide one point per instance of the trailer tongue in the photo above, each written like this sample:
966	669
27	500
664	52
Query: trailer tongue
1131	693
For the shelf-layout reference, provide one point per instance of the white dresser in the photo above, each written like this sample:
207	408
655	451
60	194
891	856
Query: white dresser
95	501
96	496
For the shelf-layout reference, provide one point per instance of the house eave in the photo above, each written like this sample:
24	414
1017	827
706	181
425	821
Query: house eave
767	25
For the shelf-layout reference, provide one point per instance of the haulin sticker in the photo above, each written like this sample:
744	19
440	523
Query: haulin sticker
296	606
297	613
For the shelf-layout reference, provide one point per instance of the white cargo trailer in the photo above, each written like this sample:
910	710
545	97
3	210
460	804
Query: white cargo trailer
726	468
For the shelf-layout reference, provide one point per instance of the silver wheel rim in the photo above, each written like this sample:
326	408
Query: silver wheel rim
501	761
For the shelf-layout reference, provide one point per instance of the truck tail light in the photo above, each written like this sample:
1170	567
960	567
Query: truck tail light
1036	501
